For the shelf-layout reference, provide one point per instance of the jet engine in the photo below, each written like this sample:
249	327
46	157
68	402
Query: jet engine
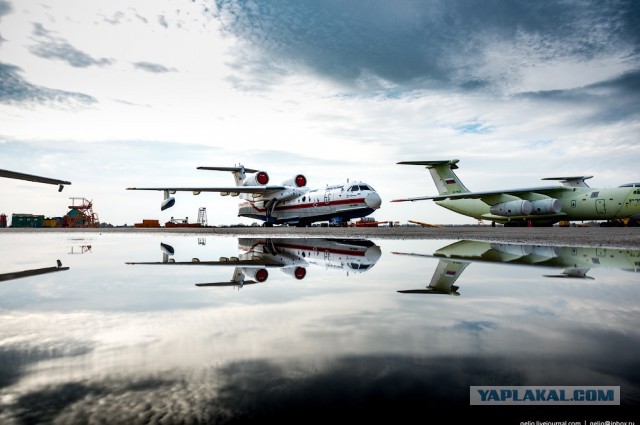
260	275
512	208
297	181
298	272
545	206
260	178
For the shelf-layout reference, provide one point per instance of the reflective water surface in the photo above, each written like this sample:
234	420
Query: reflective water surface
153	328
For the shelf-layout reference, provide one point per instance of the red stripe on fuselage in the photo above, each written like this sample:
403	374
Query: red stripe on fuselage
309	205
359	253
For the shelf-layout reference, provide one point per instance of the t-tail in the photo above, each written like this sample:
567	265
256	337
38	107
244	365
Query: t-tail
239	173
447	182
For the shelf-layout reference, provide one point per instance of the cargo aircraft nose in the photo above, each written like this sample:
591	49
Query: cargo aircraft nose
373	200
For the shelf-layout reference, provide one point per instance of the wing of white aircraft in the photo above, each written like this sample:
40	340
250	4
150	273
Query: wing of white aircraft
259	190
229	262
33	178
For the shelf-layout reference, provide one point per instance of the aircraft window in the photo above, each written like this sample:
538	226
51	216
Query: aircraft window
595	194
304	198
364	187
354	188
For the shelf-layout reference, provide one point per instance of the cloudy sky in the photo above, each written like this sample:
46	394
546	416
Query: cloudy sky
115	94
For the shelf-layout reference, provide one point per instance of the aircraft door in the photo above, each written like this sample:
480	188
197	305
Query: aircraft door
601	207
327	197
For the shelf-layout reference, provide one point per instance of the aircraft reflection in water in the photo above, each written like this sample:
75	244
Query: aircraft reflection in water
576	261
291	255
32	272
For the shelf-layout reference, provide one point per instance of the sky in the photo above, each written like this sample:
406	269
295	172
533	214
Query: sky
110	95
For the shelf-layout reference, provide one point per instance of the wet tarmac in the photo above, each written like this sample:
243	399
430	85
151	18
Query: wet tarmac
618	237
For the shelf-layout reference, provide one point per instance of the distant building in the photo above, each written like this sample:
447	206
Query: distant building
27	220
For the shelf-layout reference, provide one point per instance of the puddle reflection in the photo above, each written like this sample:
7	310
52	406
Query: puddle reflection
291	255
576	261
324	333
32	272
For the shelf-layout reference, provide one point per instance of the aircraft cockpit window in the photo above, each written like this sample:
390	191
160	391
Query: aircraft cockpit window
365	187
354	188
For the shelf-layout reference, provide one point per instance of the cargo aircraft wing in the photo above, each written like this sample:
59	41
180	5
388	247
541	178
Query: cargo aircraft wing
487	195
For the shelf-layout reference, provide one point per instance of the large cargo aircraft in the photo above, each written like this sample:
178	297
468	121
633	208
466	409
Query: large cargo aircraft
575	261
291	202
536	206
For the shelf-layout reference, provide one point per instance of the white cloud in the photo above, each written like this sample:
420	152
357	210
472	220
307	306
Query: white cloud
231	99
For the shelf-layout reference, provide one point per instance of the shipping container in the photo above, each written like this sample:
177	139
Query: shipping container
27	220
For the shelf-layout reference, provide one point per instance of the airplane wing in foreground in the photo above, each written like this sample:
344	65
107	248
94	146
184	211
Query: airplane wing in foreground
33	178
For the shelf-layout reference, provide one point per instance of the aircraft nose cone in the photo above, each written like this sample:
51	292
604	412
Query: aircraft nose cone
373	254
373	200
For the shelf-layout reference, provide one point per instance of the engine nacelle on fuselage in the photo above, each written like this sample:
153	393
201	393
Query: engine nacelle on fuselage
512	208
260	178
297	272
546	206
260	275
298	180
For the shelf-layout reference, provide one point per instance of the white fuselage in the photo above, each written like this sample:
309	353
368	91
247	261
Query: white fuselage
304	205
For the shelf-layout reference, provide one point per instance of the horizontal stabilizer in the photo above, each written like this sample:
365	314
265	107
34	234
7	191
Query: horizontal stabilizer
231	283
454	291
451	162
232	169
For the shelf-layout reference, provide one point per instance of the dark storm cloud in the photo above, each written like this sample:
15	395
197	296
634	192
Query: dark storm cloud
51	47
14	89
618	98
5	9
153	67
441	42
358	389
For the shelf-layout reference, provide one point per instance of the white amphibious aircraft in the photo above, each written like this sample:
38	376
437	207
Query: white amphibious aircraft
291	202
33	178
291	255
575	261
539	206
